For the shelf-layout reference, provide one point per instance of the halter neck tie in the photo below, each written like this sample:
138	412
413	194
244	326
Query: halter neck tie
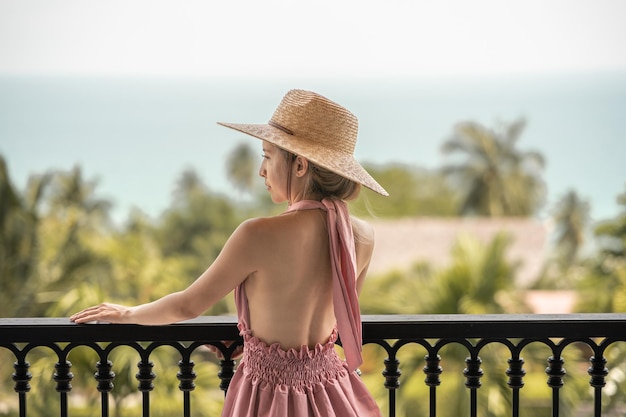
343	264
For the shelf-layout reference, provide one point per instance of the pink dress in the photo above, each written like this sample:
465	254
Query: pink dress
273	382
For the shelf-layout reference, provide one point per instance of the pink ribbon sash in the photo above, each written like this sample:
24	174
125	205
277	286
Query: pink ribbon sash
343	263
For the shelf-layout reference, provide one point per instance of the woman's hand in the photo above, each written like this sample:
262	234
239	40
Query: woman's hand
105	312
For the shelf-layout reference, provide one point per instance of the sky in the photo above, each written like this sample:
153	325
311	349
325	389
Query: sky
325	38
332	40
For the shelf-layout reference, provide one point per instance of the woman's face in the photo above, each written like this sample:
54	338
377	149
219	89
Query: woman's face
274	169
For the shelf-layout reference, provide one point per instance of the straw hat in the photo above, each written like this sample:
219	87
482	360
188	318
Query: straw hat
310	125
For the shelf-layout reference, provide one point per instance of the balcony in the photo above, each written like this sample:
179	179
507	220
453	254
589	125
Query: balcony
437	338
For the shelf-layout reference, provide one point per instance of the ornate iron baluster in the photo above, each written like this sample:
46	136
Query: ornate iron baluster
145	376
432	371
392	375
22	378
227	370
555	372
598	372
516	374
63	378
473	373
105	377
186	376
227	365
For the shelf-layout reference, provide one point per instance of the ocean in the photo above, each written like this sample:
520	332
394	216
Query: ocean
135	136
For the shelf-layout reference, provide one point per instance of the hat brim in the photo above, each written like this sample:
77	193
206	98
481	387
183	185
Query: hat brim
340	163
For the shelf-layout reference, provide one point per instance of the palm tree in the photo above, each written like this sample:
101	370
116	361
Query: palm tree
197	224
19	240
498	179
613	232
47	238
479	280
604	280
240	167
571	218
74	223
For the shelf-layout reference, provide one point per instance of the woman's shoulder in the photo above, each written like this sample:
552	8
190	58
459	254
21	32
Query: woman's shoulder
263	227
257	225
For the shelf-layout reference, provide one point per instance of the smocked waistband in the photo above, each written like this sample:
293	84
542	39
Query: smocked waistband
296	368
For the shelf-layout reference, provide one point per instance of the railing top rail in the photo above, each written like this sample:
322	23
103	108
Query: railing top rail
497	326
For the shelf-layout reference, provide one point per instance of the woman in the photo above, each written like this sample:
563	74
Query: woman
296	276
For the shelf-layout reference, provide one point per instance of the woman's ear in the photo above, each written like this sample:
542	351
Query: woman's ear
301	166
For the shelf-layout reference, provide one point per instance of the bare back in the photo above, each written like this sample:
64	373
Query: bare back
290	294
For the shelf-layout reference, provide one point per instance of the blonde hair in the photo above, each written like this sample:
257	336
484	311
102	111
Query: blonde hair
328	184
324	183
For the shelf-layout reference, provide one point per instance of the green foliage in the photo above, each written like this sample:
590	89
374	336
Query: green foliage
478	280
48	240
397	292
18	242
197	224
495	177
59	252
571	222
241	165
412	192
602	278
612	232
571	218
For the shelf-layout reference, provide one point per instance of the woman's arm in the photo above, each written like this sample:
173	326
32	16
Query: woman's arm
168	309
239	259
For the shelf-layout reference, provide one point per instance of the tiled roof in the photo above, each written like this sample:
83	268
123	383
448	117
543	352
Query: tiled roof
550	302
402	242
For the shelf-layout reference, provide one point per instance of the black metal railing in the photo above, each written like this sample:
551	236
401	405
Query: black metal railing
592	333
